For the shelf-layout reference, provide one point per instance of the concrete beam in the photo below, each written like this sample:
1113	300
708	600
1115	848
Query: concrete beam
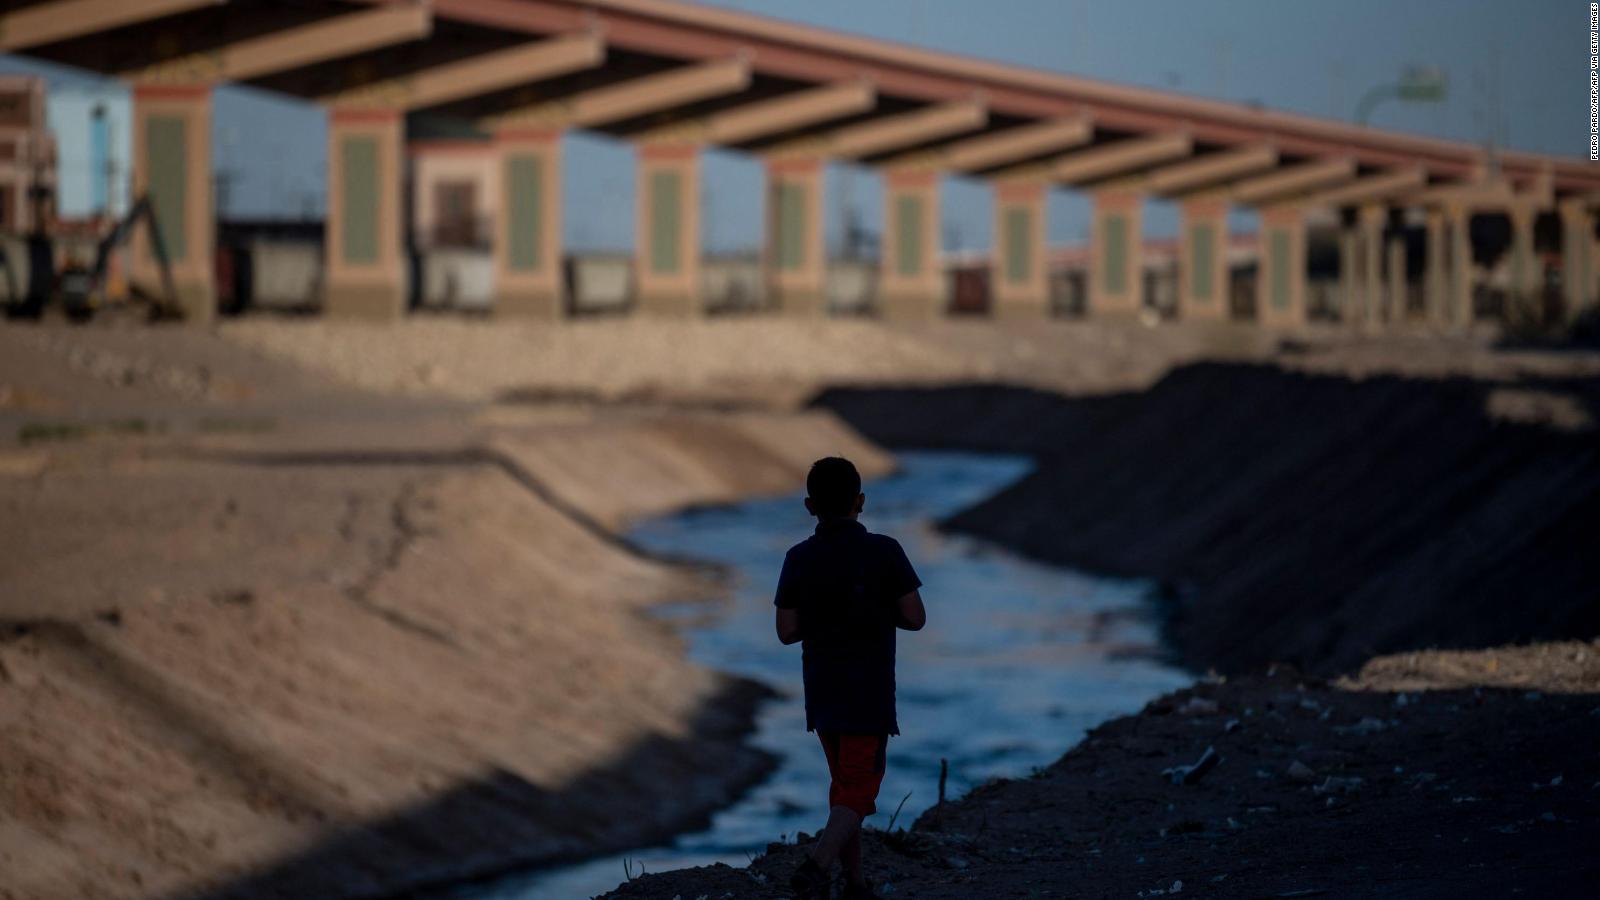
634	97
1294	180
1203	171
791	111
1019	143
907	129
1386	186
291	48
479	75
1123	156
47	23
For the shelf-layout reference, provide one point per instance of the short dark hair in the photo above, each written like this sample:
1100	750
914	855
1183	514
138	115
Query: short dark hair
833	486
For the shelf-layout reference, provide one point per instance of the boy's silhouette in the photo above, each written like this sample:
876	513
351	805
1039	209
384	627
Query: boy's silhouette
842	593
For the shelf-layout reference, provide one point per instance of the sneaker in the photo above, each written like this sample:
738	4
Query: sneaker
853	891
809	882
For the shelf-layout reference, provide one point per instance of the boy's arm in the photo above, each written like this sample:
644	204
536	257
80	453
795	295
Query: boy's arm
909	612
789	625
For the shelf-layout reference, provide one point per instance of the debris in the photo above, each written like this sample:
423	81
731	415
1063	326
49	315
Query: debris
1334	785
1198	706
1299	771
1177	888
1230	726
1367	725
1193	773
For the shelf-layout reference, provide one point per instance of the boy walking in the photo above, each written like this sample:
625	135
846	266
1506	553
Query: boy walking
842	593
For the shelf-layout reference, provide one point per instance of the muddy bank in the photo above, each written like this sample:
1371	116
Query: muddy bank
1309	518
310	664
1354	789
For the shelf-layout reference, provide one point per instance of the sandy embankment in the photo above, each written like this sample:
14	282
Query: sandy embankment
343	672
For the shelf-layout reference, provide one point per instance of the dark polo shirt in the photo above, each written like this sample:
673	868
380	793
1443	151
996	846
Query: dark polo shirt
845	582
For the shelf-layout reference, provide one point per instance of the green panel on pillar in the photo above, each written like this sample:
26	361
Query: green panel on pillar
908	234
525	196
666	207
358	157
1114	237
1279	257
166	147
791	219
1202	260
1019	244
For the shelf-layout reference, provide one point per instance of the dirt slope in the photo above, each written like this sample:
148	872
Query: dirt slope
1302	517
256	671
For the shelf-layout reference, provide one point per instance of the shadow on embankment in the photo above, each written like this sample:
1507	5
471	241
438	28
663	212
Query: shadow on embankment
1295	517
499	823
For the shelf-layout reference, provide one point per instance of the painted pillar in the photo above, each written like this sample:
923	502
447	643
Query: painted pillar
1524	264
1577	260
1395	247
794	256
172	165
1436	269
910	280
1458	306
1115	242
527	238
1281	287
1019	275
1369	310
1203	260
1349	268
667	247
363	240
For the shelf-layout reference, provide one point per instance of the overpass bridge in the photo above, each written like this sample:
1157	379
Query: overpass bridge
673	78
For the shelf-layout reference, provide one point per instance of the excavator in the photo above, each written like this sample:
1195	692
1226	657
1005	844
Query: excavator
82	291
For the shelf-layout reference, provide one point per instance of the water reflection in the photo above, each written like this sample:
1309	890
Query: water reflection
1018	661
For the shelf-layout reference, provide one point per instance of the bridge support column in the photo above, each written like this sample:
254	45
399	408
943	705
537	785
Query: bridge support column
1395	247
1577	258
172	164
1458	307
1349	268
1436	269
1525	274
667	248
911	283
1019	277
527	238
364	246
1369	311
1203	260
1281	287
795	258
1115	244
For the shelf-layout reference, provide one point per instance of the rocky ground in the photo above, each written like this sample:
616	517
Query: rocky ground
1408	780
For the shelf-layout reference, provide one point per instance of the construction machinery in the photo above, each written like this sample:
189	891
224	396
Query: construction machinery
83	290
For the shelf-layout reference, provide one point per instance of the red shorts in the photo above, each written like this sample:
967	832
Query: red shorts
856	762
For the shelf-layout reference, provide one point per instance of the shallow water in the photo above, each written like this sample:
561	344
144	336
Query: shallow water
1018	661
